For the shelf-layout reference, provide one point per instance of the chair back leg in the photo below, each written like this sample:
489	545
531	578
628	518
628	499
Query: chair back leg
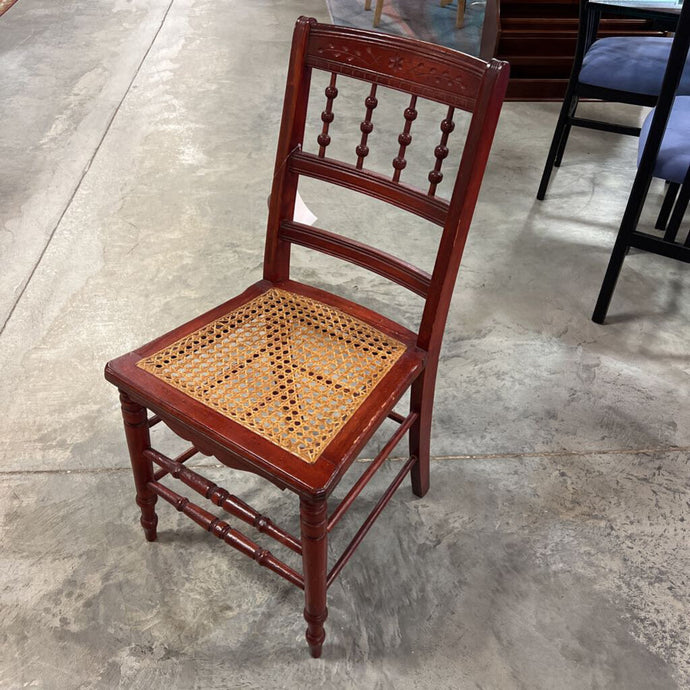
421	402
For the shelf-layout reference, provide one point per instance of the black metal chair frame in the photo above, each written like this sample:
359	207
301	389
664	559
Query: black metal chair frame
628	234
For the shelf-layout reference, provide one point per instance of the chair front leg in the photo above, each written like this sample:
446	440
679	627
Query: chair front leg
138	440
313	524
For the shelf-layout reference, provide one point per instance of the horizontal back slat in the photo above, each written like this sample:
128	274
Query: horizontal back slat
384	264
428	70
371	183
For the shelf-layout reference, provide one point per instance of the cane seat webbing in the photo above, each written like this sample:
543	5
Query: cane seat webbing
290	368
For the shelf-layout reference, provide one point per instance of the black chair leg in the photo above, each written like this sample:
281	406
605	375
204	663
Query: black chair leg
678	212
631	217
574	100
620	249
560	137
561	147
667	205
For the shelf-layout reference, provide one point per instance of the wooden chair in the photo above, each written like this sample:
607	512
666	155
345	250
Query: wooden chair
617	69
459	16
288	381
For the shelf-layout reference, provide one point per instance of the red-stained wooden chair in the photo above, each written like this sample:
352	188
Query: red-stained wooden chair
288	381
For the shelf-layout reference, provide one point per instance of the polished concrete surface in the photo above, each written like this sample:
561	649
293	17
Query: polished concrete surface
551	551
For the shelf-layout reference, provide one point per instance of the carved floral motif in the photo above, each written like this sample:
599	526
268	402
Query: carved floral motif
407	65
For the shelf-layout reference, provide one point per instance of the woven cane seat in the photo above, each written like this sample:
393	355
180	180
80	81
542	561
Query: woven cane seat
290	368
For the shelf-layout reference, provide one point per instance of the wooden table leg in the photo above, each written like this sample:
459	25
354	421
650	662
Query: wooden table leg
377	12
460	17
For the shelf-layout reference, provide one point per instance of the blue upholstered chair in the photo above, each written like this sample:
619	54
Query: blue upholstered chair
664	153
673	161
620	69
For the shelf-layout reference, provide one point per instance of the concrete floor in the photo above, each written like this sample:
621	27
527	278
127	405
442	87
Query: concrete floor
551	552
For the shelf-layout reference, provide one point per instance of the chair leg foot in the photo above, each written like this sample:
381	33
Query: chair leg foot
313	524
138	440
420	477
315	633
149	519
608	285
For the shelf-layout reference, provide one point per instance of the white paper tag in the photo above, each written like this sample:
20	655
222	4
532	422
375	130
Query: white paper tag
302	213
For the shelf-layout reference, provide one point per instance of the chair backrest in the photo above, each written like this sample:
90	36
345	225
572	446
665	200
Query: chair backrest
425	71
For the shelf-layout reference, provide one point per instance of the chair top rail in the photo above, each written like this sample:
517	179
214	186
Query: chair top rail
428	70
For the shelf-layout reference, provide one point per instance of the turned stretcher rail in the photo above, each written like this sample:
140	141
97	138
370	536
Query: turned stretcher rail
183	457
366	525
221	529
371	470
222	498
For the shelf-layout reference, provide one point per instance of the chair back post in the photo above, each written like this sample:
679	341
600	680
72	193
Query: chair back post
462	204
284	188
589	26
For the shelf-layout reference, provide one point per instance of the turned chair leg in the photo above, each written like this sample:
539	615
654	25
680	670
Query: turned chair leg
138	440
422	398
313	523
